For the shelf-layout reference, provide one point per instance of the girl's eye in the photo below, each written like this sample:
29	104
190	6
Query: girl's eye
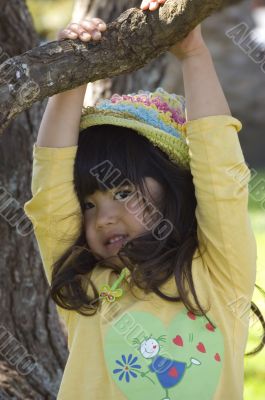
126	192
88	205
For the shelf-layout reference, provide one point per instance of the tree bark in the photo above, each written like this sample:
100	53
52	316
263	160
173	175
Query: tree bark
33	348
132	41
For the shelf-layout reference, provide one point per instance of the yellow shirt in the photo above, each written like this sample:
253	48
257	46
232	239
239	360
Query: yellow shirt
146	347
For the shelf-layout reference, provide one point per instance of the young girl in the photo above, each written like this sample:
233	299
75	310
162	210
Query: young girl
140	214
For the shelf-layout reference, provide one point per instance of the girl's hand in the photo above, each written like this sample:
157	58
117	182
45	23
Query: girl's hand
151	5
190	45
85	30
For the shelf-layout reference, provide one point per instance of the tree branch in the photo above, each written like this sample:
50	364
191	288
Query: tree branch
130	42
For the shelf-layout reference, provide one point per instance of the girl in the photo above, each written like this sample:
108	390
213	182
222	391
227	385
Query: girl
140	213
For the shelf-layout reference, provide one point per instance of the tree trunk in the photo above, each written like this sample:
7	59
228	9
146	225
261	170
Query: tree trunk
33	349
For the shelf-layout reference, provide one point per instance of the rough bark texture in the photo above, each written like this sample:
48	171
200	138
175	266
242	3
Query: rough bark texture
29	328
131	42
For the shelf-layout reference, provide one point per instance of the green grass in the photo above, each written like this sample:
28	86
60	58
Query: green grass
255	366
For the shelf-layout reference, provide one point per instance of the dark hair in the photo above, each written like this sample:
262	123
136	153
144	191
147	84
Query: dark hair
151	262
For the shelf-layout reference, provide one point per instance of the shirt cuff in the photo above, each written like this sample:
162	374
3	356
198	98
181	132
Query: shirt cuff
52	153
211	122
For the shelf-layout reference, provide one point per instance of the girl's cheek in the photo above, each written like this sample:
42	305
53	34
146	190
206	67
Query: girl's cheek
135	205
88	220
87	228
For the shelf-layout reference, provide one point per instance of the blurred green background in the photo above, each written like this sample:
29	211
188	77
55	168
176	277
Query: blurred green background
255	366
52	15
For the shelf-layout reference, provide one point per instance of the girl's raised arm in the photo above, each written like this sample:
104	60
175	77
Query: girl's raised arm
203	92
220	173
60	123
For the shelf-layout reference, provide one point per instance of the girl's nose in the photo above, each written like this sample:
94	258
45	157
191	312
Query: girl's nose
109	214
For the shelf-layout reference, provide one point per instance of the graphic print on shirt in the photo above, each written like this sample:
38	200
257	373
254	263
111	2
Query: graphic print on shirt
148	360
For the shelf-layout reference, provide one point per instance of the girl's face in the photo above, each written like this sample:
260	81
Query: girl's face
117	214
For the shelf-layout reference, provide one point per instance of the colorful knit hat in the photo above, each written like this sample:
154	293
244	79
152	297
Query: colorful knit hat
158	115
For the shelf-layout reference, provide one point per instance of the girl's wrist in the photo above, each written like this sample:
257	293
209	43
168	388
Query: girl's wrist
191	54
197	58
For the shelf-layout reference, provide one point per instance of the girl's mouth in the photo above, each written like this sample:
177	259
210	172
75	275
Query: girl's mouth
117	242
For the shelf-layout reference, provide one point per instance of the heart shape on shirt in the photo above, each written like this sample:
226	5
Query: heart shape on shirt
178	340
173	372
147	359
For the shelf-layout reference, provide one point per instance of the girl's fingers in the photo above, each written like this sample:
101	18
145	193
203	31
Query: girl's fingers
76	28
94	24
151	5
100	24
85	30
88	25
67	33
91	29
85	36
145	4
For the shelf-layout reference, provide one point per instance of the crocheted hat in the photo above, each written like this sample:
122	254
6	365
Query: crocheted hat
158	115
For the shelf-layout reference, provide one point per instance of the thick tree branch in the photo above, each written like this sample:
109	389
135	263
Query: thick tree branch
129	43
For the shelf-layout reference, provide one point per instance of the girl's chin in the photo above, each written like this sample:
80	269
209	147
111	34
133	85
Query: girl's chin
113	258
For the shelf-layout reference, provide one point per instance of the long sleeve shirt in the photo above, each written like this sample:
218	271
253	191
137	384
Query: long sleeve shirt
142	346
